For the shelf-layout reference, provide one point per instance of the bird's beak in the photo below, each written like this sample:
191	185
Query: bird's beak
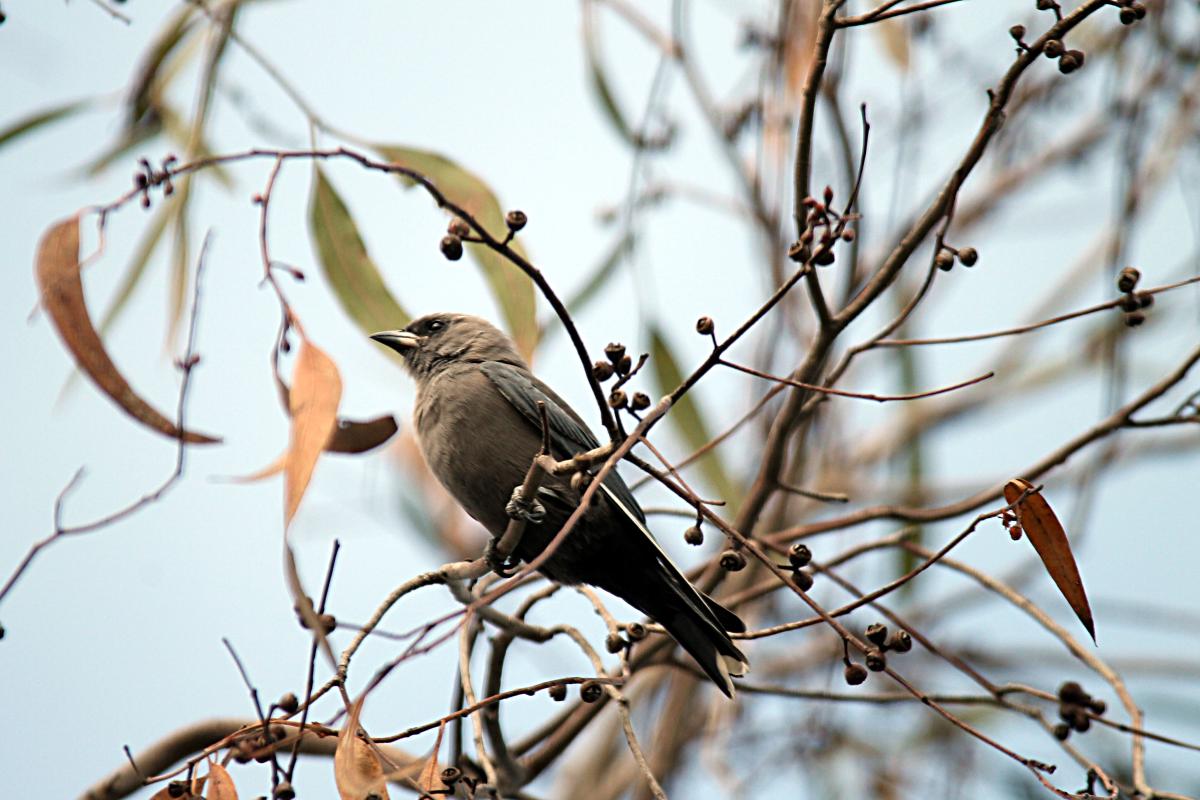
400	341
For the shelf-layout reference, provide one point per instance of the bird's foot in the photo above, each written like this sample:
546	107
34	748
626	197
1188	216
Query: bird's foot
529	510
503	565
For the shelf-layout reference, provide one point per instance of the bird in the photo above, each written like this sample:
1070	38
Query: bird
479	425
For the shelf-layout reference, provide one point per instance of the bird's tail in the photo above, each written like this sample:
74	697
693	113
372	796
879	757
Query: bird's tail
706	641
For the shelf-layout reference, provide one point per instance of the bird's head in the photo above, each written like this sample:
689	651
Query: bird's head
436	341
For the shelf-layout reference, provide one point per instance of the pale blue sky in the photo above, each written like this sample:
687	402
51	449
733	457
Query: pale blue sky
114	638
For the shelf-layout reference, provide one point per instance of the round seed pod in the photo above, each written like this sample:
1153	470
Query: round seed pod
799	555
515	220
733	561
854	674
803	579
452	247
705	326
694	536
876	633
590	691
900	642
876	660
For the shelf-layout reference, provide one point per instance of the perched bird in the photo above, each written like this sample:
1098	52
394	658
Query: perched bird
479	426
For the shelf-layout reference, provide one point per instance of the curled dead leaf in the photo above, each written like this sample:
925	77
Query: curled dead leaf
220	784
430	778
313	403
356	767
61	289
1048	538
354	436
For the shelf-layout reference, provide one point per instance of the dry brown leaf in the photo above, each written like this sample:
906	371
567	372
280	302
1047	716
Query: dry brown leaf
1048	538
356	767
353	436
350	436
800	46
165	792
431	774
313	404
894	33
61	289
220	784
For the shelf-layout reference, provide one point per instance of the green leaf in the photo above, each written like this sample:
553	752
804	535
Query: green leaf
36	120
512	289
599	79
347	265
688	419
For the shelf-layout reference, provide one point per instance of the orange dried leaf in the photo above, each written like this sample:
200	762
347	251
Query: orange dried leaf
350	436
356	767
220	784
431	774
1048	538
313	404
61	289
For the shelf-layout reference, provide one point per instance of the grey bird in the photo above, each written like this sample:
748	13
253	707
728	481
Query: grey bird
479	426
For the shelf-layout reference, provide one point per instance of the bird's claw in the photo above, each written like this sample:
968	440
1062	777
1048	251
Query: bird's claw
503	565
528	510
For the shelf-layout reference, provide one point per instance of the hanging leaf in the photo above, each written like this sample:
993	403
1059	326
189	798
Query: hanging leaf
430	777
220	784
356	767
352	436
348	437
599	78
894	34
316	392
346	264
38	119
512	290
1048	538
146	85
61	289
800	45
687	417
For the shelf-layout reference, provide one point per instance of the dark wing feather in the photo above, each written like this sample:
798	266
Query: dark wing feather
569	435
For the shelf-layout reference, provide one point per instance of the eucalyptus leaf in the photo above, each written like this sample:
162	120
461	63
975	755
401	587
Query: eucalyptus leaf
512	289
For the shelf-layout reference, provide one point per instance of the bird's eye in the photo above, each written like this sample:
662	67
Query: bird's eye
435	325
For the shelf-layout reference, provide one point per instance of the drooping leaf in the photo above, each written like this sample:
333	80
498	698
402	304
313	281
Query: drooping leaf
168	792
349	436
38	119
146	85
512	290
356	767
687	416
354	436
220	784
61	289
180	259
347	266
599	78
1048	538
129	281
894	33
800	45
316	392
430	777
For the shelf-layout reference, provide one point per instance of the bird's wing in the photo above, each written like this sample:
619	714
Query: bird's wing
569	436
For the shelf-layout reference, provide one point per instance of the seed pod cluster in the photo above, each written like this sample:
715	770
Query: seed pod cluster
1134	302
1130	12
1075	707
